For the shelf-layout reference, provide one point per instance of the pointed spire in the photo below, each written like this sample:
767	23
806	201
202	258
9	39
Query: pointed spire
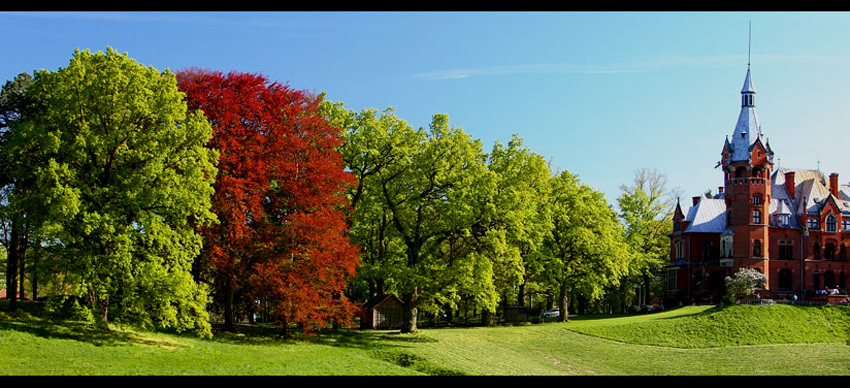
747	129
748	84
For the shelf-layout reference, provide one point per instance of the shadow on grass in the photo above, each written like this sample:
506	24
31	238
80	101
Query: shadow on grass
29	318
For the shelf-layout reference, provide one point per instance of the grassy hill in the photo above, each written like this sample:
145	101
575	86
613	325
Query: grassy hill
696	340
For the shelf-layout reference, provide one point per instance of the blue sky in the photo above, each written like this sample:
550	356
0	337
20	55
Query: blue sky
599	94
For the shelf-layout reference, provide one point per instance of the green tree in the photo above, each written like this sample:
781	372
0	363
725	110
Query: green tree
585	253
16	227
646	210
373	142
520	214
420	211
123	175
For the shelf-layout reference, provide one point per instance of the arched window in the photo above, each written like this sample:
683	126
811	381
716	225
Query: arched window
757	248
756	216
830	223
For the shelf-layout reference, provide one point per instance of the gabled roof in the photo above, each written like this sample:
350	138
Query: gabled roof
707	216
811	192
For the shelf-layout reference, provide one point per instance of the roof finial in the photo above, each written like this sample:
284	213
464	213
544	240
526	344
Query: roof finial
749	43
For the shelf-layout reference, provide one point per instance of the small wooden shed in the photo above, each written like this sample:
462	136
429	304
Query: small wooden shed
385	311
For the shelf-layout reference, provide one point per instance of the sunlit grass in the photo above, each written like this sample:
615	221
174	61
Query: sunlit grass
737	340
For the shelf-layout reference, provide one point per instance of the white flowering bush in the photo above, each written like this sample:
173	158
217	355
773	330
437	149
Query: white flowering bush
745	282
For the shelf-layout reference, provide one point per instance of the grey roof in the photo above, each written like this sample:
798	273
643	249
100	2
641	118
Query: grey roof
811	192
707	216
747	129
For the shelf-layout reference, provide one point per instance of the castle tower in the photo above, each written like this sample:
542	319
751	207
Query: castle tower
747	161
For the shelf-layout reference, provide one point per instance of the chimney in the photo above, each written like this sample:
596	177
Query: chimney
696	200
719	189
789	183
833	184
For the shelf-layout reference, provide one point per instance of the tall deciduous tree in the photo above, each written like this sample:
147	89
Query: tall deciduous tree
373	142
421	210
646	208
14	225
279	198
122	174
585	251
520	213
434	196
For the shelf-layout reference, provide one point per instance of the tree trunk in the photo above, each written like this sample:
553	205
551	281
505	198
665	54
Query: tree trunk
487	317
563	303
12	267
520	297
22	263
103	322
410	300
228	307
34	279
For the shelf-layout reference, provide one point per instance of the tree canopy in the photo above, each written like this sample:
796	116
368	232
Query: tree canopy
279	199
159	197
120	177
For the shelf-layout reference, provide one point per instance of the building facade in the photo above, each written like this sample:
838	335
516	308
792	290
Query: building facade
792	225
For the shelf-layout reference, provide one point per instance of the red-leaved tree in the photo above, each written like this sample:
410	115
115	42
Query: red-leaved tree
280	236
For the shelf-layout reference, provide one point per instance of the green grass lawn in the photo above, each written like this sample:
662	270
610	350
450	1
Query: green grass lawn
696	340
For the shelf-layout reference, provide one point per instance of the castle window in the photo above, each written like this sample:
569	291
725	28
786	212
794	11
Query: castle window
830	223
829	279
784	219
786	250
845	224
756	216
757	199
785	279
829	251
757	248
812	223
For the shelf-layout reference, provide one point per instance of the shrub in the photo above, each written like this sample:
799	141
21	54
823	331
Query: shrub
745	282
